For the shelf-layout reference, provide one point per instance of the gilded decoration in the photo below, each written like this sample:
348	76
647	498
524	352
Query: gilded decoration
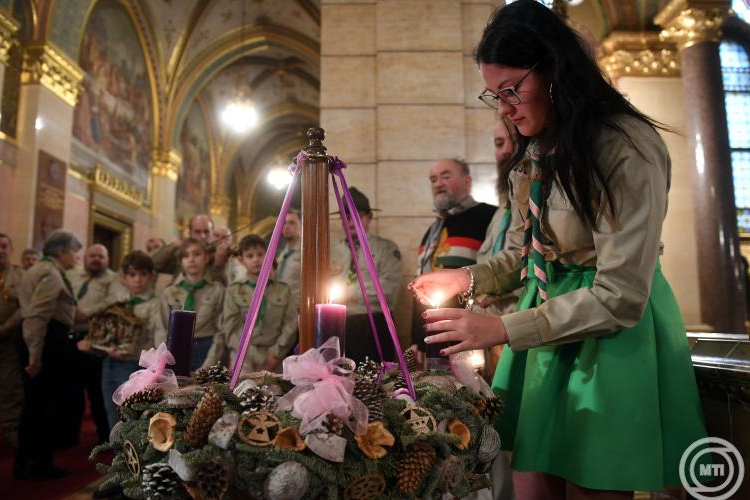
166	164
8	28
687	22
45	64
627	53
220	205
107	183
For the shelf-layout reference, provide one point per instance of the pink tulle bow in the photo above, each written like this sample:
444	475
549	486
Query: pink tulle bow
465	373
323	386
154	374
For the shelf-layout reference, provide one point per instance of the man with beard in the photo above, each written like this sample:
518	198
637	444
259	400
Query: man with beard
95	287
452	241
289	257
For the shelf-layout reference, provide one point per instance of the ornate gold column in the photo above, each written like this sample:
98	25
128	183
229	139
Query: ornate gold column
631	53
220	207
164	171
51	82
695	27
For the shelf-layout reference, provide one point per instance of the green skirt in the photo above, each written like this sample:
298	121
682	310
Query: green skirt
613	412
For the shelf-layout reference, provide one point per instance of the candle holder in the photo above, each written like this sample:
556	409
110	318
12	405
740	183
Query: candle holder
180	340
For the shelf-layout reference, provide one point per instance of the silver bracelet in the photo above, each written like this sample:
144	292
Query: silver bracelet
467	297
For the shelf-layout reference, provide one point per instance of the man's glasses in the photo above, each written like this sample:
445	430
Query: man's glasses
508	95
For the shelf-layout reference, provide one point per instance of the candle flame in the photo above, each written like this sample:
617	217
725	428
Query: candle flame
335	293
476	358
436	299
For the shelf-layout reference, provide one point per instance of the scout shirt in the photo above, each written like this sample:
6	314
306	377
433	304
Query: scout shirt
387	258
290	267
10	309
275	330
208	305
45	294
624	251
95	293
146	307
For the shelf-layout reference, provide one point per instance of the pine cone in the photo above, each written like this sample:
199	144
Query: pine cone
160	482
369	369
207	412
371	394
148	395
217	373
257	398
414	467
489	407
411	361
333	424
213	480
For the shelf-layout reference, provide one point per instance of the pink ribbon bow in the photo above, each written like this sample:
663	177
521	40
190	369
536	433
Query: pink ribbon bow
323	386
154	374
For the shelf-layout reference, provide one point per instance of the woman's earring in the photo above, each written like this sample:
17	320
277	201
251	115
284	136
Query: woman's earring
551	99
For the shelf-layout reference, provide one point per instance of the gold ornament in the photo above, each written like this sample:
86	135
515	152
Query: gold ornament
289	438
259	428
131	458
458	428
419	419
161	431
371	442
365	488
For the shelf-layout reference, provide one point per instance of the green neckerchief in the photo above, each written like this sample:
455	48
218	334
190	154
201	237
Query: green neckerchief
84	288
135	300
64	278
284	257
262	312
500	240
189	304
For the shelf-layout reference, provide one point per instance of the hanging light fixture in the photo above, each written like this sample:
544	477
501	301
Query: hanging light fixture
240	114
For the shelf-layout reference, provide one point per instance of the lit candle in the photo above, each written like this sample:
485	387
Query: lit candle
434	360
476	359
330	320
180	339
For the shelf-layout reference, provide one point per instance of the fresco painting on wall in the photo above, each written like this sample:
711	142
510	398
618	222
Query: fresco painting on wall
194	181
50	197
113	118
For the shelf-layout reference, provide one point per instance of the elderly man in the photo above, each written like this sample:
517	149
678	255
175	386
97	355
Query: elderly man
389	267
47	353
167	258
452	241
11	383
289	257
96	287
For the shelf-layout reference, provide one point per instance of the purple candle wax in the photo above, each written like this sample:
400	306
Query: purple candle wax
180	339
330	321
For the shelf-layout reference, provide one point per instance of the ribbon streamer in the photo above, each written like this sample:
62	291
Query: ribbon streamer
154	374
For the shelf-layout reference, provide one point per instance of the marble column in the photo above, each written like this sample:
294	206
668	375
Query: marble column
695	27
166	165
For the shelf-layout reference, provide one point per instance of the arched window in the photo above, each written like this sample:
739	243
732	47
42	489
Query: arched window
735	70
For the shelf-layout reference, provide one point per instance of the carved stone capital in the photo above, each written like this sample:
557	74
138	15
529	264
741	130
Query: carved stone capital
166	164
45	64
687	22
220	205
8	29
627	53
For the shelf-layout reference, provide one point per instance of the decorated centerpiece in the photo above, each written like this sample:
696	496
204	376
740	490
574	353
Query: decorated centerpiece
324	427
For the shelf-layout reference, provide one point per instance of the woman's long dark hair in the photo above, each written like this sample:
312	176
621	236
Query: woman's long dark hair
525	33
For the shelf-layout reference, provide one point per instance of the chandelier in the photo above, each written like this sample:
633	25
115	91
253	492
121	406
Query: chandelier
240	114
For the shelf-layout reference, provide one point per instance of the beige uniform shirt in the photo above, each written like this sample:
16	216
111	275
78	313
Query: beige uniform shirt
10	309
274	333
388	264
290	267
102	291
208	305
44	296
148	311
624	252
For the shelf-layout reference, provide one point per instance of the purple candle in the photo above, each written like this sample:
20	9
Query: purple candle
330	321
180	339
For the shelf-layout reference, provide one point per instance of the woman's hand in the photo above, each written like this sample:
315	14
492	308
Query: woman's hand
470	329
448	282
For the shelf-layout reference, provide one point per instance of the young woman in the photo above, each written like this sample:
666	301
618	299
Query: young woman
600	394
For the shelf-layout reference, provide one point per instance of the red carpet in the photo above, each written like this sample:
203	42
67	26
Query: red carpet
82	471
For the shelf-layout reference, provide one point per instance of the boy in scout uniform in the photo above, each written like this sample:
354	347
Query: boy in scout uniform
388	265
47	353
275	331
11	385
193	290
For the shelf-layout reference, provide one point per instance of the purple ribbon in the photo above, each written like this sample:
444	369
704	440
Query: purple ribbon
265	272
336	169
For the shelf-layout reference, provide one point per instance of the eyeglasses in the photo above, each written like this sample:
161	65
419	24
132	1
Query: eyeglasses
508	95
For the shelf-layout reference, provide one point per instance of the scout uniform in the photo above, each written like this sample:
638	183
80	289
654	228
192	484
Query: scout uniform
167	260
388	264
48	308
206	298
275	330
290	267
597	346
11	386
